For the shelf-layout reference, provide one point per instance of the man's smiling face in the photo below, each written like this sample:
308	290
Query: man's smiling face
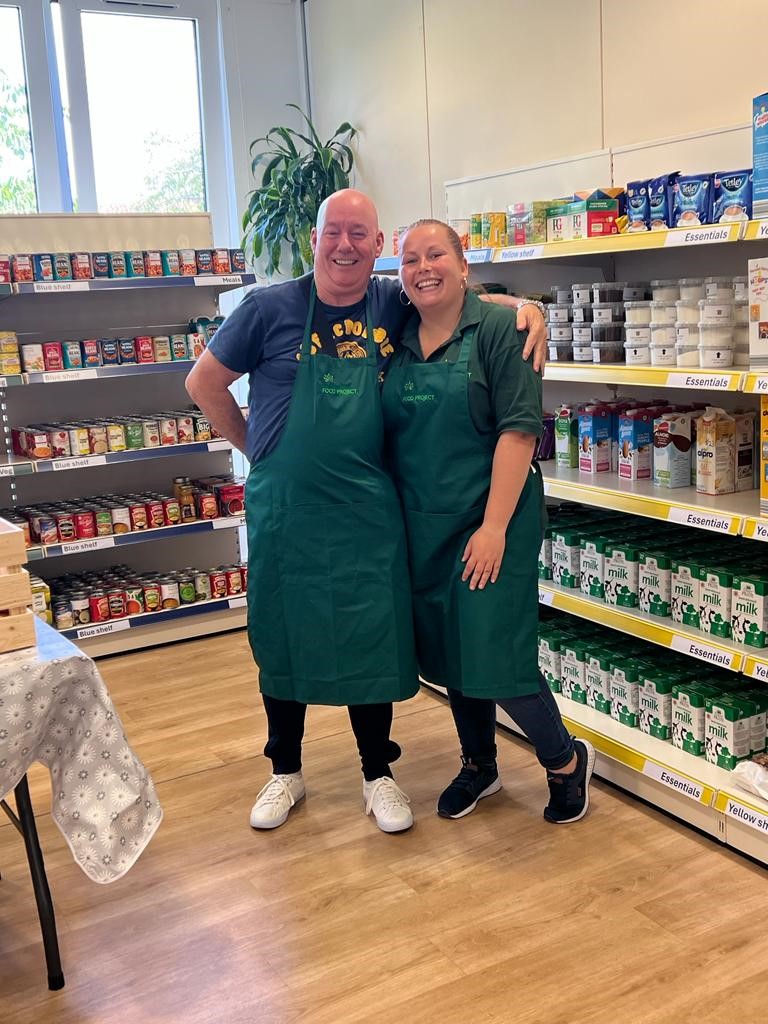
345	244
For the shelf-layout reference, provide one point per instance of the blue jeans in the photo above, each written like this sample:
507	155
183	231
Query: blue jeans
537	715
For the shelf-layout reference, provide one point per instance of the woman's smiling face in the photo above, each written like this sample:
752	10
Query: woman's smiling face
431	272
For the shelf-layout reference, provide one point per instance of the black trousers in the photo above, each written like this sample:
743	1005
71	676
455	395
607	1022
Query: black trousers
371	724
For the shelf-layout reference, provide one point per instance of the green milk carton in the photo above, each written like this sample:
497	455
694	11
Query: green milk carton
685	586
728	730
550	645
572	674
688	708
715	600
592	565
749	609
597	676
621	575
759	721
655	703
625	686
566	557
654	583
545	553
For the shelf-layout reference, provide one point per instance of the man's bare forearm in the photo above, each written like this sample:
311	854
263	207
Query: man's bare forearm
223	413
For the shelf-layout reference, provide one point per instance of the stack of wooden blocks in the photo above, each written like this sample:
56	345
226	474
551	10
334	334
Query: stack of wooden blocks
17	621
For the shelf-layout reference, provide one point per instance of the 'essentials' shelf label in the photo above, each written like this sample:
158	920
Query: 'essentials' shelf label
699	236
698	380
702	520
704	652
679	783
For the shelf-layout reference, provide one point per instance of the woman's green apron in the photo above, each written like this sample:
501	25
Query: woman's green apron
482	642
329	603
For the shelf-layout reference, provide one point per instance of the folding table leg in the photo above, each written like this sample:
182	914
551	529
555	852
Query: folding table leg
40	885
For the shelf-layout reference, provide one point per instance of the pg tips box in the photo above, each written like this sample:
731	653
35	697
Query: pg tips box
595	439
716	453
635	440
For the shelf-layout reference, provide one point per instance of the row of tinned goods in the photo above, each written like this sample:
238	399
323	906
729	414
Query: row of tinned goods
700	709
671	444
89	353
674	573
48	267
79	599
116	434
107	515
691	321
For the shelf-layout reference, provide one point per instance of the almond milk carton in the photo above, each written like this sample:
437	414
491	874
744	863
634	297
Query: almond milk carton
672	450
635	440
716	453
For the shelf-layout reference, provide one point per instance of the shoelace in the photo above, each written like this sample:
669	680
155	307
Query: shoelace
274	791
390	794
467	777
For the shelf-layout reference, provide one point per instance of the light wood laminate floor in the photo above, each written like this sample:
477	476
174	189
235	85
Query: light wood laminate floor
498	918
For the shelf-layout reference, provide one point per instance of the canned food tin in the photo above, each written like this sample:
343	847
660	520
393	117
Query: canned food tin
221	261
161	345
186	497
117	267
43	266
195	345
116	597
169	593
97	439
127	349
121	519
138	515
47	529
134	435
169	433
134	597
151	595
62	615
103	518
79	443
207	506
234	580
202	427
109	351
153	263
244	574
62	266
91	352
145	352
202	586
82	269
100	262
65	527
98	605
59	443
186	589
150	433
171	511
218	580
170	261
79	603
155	513
179	346
185	429
85	524
116	437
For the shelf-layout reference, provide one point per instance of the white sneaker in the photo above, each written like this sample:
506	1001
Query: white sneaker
274	802
388	803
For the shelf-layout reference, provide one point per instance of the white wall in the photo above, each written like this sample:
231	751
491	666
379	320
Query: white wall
444	89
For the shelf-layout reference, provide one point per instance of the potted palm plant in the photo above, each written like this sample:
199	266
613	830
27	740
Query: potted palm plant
299	172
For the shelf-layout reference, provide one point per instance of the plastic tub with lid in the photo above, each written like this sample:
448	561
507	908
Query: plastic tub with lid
636	291
712	312
582	293
719	289
663	312
637	311
560	351
582	313
560	332
582	351
687	352
562	294
716	345
607	351
741	311
740	289
665	290
608	291
608	332
559	313
637	342
607	312
663	345
691	289
582	333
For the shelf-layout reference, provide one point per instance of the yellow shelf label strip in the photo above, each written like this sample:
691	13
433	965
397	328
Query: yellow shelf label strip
756	667
756	382
755	230
742	811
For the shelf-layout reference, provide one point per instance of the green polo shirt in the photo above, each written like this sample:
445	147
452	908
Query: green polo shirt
504	389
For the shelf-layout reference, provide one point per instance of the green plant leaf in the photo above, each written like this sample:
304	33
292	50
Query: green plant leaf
311	127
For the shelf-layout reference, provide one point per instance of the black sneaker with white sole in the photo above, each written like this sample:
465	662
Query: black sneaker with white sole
569	794
473	782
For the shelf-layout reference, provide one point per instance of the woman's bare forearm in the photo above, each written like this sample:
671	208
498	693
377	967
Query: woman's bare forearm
511	463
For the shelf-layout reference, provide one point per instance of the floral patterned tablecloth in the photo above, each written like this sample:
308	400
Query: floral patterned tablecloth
55	708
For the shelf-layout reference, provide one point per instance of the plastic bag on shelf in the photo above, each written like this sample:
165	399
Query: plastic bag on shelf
753	777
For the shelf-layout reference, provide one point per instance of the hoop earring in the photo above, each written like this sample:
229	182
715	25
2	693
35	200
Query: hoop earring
407	300
464	283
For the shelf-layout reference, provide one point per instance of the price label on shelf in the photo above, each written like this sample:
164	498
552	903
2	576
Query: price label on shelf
546	597
64	375
237	602
228	523
3	382
700	236
521	252
8	470
703	520
705	381
218	446
756	529
478	255
92	544
82	463
61	286
103	627
761	386
201	282
761	230
747	816
706	652
680	784
757	669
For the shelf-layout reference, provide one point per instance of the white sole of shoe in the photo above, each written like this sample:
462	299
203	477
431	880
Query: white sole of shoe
590	768
488	791
278	821
393	829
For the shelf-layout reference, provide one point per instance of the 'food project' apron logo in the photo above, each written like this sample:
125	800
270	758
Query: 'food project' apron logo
410	394
330	387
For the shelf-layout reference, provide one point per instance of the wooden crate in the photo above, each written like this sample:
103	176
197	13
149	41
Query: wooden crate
17	622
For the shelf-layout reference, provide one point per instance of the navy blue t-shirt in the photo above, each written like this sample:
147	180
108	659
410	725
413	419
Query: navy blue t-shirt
263	336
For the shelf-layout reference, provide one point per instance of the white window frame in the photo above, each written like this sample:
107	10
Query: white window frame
48	145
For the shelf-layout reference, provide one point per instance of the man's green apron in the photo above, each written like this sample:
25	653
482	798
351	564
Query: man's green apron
482	642
329	602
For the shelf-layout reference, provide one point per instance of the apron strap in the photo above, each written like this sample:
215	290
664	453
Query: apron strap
462	362
306	342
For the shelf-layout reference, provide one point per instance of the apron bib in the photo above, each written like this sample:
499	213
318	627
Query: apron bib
482	642
329	604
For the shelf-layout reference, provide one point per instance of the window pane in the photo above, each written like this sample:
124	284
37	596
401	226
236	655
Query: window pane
144	106
17	176
64	91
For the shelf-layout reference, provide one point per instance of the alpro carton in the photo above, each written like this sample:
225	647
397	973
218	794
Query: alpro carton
689	701
566	438
672	450
655	703
621	575
550	645
727	730
572	678
715	600
625	687
595	443
635	440
749	610
715	453
597	676
655	583
566	558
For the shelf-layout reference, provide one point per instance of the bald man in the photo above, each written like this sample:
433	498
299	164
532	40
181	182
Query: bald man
329	614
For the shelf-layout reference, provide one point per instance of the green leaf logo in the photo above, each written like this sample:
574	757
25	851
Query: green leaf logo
327	378
409	385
